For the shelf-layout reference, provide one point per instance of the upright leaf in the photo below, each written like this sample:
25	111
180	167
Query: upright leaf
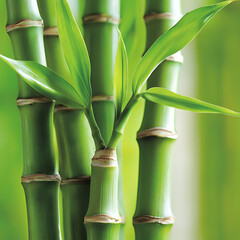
75	51
173	41
120	76
45	81
171	99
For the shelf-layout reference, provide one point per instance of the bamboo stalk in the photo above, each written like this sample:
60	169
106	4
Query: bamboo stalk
75	144
40	177
100	20
153	217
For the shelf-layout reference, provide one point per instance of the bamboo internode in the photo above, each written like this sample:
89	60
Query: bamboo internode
177	57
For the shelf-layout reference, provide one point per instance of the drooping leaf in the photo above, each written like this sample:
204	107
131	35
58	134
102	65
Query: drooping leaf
171	99
75	51
120	76
173	41
45	81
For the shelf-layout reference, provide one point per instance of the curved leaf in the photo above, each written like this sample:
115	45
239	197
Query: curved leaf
120	76
171	99
75	51
45	81
173	41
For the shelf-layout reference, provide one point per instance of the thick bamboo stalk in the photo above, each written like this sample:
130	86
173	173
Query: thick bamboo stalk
100	21
75	144
40	177
153	217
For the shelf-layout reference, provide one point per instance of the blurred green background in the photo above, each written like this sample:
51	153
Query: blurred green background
206	179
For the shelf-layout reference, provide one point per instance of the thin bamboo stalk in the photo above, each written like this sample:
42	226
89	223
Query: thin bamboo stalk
100	20
40	178
153	217
75	144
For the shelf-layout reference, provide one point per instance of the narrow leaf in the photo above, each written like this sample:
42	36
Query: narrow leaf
120	76
173	41
45	81
171	99
75	51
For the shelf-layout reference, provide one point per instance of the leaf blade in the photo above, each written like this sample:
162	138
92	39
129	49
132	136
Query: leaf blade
173	41
45	81
166	97
120	76
75	51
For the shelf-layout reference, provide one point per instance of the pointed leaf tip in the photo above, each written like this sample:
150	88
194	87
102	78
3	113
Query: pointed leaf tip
45	81
173	41
165	97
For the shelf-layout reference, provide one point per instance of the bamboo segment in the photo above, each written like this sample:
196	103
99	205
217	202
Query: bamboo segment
153	217
40	176
102	218
101	35
75	144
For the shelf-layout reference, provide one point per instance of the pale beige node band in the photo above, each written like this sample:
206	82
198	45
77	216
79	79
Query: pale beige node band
105	158
152	219
157	132
101	98
59	108
99	18
50	31
154	16
29	101
41	178
76	180
101	218
25	23
177	57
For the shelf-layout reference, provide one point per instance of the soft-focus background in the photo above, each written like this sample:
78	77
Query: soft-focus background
206	179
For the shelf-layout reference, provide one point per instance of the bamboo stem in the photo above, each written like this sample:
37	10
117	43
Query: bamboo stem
40	176
75	144
101	35
153	216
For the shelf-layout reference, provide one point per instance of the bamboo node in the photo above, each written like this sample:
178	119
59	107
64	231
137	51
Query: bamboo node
101	98
100	18
101	218
60	107
50	31
152	219
154	16
25	23
76	180
176	57
157	132
105	158
29	101
39	177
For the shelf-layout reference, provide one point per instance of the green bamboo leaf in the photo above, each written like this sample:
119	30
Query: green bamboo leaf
120	76
171	99
173	41
75	51
45	81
